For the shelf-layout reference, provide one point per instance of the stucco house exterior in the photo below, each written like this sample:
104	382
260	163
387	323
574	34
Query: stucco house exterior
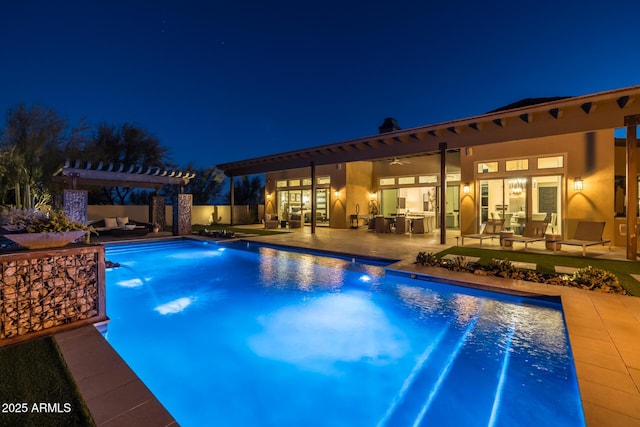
561	159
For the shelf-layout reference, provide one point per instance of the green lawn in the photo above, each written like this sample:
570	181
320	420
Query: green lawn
34	373
546	263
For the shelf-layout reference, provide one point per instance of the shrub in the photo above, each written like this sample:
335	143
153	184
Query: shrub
427	258
586	278
597	279
459	263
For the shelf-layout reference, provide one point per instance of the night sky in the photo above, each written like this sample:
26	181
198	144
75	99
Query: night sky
219	81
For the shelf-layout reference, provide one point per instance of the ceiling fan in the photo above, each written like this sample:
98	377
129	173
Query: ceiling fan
397	161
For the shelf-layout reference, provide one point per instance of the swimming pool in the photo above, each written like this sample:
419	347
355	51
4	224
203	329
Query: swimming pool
255	336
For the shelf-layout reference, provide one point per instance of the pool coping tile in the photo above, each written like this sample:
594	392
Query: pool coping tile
113	393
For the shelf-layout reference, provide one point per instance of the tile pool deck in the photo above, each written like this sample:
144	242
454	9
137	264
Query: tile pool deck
604	331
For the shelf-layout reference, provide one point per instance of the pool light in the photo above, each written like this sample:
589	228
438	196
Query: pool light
175	306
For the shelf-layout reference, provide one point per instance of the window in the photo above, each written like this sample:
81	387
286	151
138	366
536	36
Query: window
281	183
324	180
407	180
387	181
294	183
306	181
487	167
517	165
550	162
428	179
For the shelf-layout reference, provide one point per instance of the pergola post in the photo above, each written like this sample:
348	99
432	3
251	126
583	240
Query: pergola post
76	205
313	197
182	214
157	214
443	192
631	122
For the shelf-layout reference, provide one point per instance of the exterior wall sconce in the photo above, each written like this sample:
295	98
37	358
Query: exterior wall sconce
373	196
578	184
336	193
269	196
466	189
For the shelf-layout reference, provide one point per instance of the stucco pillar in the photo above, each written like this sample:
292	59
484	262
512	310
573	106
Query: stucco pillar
631	122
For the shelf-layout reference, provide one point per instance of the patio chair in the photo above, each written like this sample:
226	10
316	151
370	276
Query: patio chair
533	232
271	222
486	233
382	225
402	224
295	221
417	226
588	233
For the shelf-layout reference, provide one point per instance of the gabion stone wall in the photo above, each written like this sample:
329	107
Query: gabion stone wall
45	289
182	215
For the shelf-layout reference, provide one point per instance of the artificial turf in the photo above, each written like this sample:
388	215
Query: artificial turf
259	231
37	389
546	263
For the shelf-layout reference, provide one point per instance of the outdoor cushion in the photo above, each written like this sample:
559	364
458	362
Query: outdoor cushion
110	223
122	221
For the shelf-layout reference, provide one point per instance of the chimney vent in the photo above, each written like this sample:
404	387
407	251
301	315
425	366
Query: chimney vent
390	124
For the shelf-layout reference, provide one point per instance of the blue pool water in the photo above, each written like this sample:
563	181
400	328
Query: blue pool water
237	336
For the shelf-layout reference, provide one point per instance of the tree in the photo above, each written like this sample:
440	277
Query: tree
32	148
205	187
248	191
127	145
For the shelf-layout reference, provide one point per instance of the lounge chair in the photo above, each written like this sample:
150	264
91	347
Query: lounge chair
485	234
533	232
588	233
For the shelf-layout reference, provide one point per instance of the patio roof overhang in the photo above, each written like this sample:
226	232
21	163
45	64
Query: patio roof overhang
120	176
604	110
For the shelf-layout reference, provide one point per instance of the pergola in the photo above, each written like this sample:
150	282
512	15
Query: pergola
557	116
119	176
85	174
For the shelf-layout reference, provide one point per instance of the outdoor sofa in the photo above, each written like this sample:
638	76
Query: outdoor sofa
121	226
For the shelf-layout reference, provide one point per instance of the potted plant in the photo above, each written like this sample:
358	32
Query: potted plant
38	229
